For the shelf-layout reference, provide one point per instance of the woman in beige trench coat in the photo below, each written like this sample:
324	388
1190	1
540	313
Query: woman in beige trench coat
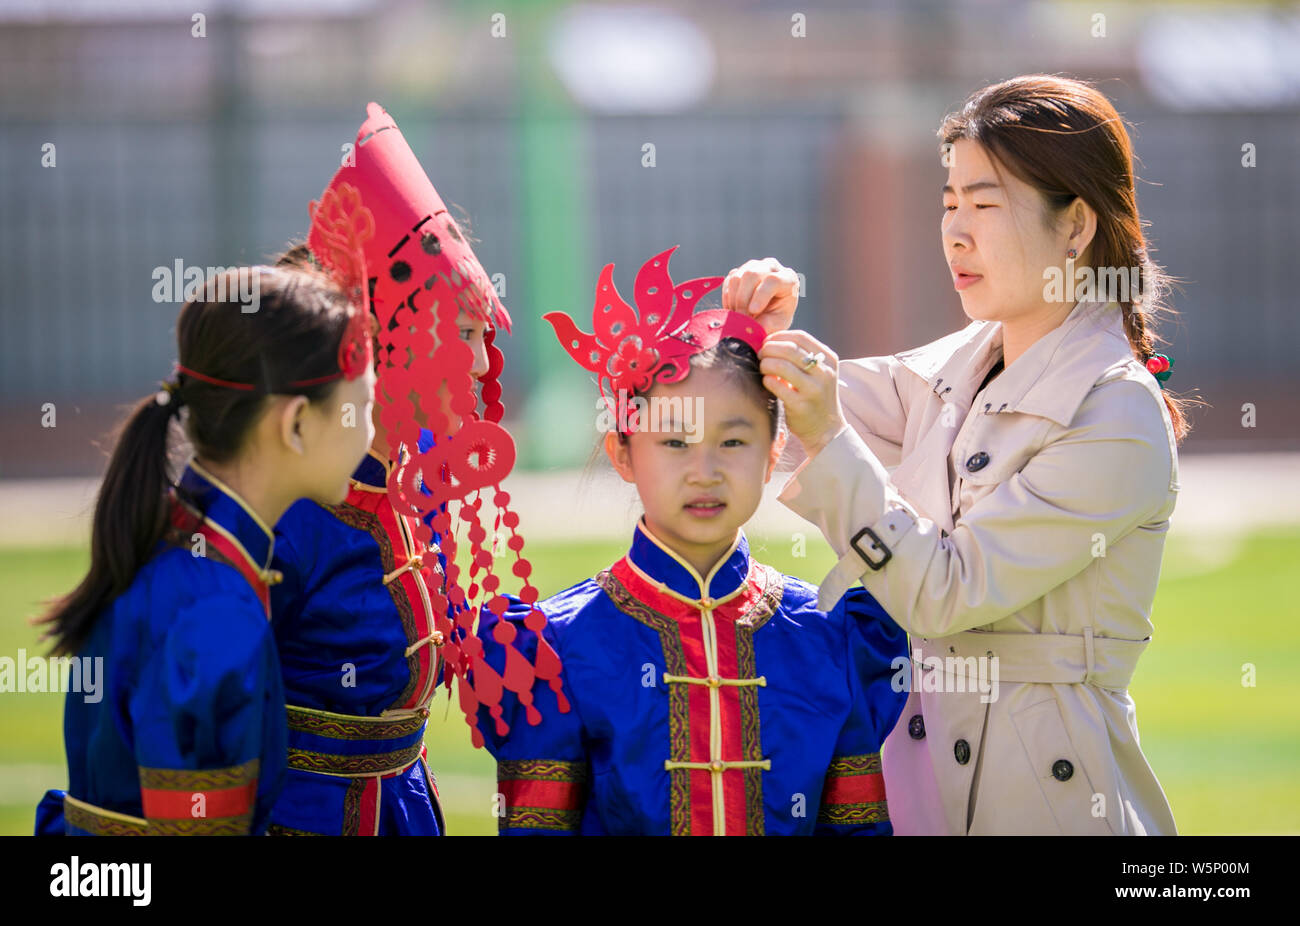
1005	491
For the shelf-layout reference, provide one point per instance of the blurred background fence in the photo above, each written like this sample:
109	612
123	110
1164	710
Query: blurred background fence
575	135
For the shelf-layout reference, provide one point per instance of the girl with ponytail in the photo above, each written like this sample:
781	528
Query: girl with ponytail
188	736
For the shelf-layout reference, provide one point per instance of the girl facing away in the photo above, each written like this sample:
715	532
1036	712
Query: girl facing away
709	695
188	737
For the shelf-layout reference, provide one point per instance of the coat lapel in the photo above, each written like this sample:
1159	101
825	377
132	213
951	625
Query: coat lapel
953	368
1052	378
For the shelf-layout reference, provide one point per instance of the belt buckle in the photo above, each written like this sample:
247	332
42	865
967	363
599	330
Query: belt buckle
876	544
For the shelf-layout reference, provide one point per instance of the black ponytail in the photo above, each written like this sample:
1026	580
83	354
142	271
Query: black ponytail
292	336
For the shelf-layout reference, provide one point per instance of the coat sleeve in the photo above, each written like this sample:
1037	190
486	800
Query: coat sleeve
542	770
853	797
209	722
1101	477
873	406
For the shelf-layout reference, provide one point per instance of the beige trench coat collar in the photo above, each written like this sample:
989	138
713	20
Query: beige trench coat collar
1050	380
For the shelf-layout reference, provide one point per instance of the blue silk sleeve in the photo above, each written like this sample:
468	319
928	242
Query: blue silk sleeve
209	721
853	799
542	769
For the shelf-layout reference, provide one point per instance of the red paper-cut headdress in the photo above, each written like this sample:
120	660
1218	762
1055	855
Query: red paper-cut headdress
633	348
422	273
341	226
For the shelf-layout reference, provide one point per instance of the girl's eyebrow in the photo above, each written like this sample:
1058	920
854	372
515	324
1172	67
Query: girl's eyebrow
737	422
977	185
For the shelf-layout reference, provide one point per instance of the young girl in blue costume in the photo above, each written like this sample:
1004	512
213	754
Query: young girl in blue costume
709	694
372	614
364	615
189	735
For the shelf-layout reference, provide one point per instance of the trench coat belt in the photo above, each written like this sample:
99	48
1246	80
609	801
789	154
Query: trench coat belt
1045	658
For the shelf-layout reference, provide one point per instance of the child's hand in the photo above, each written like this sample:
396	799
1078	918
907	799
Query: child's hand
808	389
764	289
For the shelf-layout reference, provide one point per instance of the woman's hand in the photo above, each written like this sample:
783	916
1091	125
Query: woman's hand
809	391
764	289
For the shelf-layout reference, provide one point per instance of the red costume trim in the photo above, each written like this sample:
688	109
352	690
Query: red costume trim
372	512
693	805
167	796
854	792
542	793
187	522
370	797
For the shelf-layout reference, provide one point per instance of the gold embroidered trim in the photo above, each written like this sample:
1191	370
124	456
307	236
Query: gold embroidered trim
102	822
541	818
846	766
203	779
678	764
352	806
871	812
541	770
751	742
371	764
679	707
352	727
369	522
275	829
203	826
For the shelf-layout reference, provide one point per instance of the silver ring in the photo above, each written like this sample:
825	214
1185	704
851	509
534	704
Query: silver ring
812	360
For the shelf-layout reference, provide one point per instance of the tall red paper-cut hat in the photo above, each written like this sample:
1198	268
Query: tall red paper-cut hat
421	273
634	347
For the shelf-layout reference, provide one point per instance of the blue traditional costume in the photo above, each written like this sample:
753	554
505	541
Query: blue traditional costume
724	704
371	616
189	738
355	628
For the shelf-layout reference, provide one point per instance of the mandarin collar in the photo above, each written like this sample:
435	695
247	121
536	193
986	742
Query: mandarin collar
653	557
225	510
373	469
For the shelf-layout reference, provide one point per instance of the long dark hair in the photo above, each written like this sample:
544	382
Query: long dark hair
1064	138
293	335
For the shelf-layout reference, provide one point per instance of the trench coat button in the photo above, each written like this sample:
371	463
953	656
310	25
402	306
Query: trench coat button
977	461
916	727
961	750
1062	769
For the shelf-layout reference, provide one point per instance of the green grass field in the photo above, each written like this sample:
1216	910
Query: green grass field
1228	755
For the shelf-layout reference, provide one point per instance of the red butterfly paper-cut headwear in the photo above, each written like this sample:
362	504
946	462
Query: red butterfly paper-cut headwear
634	347
422	274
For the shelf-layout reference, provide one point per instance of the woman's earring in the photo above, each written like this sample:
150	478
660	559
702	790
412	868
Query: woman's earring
1072	253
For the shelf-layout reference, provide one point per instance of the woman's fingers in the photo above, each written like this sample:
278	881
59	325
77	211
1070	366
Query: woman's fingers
730	286
738	288
765	290
792	370
779	388
796	346
809	391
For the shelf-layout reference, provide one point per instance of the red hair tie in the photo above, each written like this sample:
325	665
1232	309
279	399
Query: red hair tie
250	387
